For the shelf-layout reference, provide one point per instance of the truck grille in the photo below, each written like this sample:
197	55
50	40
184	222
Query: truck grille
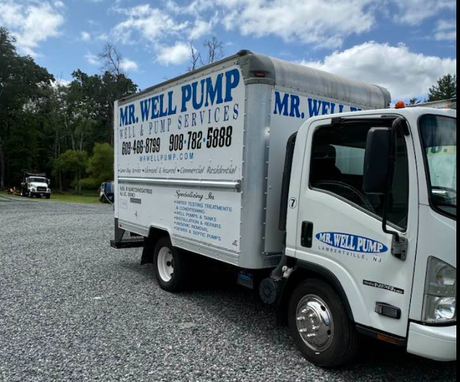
41	188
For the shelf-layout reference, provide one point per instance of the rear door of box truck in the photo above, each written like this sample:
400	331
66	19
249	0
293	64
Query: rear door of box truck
178	160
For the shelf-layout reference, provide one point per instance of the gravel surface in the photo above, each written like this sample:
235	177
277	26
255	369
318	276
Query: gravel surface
72	308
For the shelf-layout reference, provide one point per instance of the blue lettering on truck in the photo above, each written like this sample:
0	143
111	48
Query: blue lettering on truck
353	243
291	105
194	96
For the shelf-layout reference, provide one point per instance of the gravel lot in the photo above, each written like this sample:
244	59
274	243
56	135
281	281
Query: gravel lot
72	308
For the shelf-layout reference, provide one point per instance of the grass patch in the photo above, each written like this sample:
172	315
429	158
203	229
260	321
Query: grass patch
91	197
69	197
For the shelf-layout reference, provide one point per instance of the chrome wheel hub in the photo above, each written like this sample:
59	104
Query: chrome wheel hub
165	264
314	323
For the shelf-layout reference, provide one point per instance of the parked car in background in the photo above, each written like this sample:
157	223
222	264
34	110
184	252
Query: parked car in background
106	193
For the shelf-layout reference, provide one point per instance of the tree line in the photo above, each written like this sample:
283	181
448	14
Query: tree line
66	130
63	130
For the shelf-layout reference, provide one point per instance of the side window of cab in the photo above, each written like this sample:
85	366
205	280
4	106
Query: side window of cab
337	168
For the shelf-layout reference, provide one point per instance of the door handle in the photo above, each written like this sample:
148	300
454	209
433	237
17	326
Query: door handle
306	239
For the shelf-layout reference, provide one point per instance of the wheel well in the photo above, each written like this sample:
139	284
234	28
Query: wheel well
303	272
149	244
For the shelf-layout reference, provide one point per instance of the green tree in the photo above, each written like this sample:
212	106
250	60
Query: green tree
75	162
446	88
113	88
41	119
414	101
23	86
100	165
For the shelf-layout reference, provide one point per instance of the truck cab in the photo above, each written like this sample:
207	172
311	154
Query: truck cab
371	233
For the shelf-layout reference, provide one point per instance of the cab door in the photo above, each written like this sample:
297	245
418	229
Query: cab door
339	227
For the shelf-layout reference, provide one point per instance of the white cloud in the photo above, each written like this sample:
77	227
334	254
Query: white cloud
314	21
31	23
319	23
85	36
414	12
103	37
202	28
404	73
60	82
128	65
92	59
152	24
446	30
194	8
174	55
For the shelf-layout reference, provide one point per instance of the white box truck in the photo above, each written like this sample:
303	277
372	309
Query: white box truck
344	208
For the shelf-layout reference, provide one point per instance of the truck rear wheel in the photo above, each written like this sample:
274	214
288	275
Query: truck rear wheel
169	266
320	325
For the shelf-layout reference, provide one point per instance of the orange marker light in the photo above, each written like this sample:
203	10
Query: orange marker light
400	105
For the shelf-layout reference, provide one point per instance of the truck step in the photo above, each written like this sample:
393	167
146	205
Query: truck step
132	242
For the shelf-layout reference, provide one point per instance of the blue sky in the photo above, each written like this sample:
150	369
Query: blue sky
404	45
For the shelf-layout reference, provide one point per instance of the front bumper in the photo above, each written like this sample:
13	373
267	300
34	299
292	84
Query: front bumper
434	342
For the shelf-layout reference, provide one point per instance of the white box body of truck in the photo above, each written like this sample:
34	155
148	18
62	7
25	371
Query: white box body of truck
202	156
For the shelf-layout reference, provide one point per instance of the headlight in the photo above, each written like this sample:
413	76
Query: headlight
440	305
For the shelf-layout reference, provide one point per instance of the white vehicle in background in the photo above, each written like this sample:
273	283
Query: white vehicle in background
344	208
35	185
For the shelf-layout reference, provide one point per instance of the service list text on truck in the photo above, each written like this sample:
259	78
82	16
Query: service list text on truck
337	208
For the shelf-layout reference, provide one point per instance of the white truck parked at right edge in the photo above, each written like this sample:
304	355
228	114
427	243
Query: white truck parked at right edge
347	214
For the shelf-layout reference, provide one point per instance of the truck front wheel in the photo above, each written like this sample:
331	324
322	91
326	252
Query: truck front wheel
169	266
320	325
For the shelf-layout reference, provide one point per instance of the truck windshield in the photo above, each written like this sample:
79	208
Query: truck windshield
37	180
439	137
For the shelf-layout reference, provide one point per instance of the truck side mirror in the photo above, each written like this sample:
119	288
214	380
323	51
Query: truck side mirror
379	160
379	168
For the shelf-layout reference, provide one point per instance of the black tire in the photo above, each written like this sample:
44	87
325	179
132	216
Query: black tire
30	195
342	338
178	277
48	196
